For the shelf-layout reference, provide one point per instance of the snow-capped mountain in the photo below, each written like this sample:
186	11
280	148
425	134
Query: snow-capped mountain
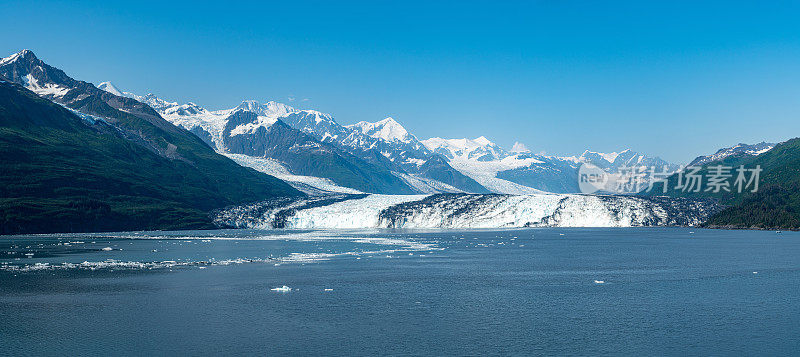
269	109
387	144
522	172
387	129
480	149
624	159
111	88
738	150
384	146
150	99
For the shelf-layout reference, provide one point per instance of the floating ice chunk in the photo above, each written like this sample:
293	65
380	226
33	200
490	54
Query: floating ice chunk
106	249
282	289
599	282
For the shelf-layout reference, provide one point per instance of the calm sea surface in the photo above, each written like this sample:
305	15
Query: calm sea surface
648	291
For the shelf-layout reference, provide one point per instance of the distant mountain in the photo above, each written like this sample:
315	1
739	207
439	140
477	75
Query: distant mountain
625	159
522	172
109	87
96	161
388	130
480	149
743	150
386	148
247	133
385	143
776	204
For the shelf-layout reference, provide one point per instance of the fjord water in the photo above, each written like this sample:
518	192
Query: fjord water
671	291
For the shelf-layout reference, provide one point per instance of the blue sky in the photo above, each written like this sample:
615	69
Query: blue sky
674	79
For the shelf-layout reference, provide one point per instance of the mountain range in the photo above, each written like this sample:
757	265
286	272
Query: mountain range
377	157
80	157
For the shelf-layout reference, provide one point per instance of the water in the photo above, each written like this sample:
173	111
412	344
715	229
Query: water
503	292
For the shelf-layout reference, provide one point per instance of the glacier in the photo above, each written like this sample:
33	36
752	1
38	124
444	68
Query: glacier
459	210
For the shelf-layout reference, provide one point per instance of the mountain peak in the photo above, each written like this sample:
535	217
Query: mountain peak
482	140
249	105
27	53
739	149
24	55
610	157
270	109
480	148
387	129
388	121
111	88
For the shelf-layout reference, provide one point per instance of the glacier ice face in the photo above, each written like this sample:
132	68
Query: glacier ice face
357	213
472	211
544	210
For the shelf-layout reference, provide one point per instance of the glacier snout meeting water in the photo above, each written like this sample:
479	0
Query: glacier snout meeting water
467	211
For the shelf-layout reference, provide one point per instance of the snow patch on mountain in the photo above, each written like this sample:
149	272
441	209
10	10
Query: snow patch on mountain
13	57
250	128
50	89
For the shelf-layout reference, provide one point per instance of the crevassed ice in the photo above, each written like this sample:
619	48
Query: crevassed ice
565	210
359	213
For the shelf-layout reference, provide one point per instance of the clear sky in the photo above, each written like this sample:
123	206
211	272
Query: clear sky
673	79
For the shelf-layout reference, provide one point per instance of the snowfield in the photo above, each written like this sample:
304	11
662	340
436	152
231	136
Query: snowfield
302	183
